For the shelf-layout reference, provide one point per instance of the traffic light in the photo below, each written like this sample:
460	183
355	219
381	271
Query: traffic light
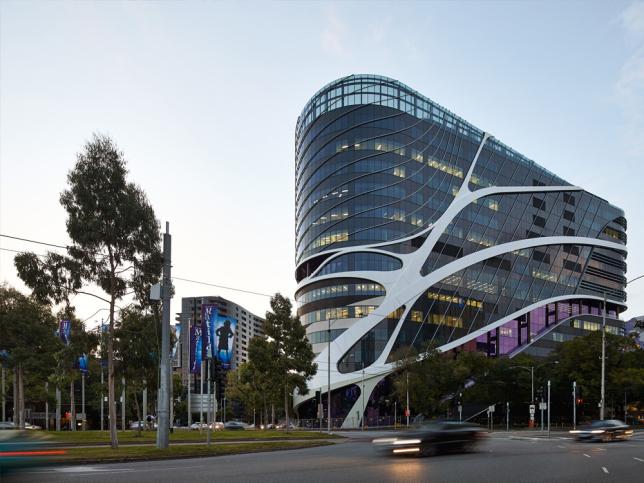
318	394
540	394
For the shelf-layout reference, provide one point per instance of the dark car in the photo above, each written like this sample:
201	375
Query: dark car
433	438
607	430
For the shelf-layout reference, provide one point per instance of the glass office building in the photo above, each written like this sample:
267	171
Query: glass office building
415	228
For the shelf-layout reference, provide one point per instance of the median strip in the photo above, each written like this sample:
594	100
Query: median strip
144	453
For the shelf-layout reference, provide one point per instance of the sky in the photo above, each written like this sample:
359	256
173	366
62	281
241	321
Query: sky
203	97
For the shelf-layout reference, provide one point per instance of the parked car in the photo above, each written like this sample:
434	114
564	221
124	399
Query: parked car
433	438
607	430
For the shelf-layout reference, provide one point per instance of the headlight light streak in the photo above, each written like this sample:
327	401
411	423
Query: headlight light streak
407	450
407	441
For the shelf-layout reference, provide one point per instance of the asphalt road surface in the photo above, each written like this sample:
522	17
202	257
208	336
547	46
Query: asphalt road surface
502	458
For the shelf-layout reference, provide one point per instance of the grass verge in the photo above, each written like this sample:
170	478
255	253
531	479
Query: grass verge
103	437
145	453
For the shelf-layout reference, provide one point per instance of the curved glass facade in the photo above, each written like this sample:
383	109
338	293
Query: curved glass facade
381	167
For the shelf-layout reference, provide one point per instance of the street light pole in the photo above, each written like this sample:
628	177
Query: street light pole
328	380
362	394
548	408
574	405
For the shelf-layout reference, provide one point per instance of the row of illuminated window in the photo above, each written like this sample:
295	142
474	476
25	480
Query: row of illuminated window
366	235
389	146
334	313
341	290
455	299
323	336
595	326
380	184
617	235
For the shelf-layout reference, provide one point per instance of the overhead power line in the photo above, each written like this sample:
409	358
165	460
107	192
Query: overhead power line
174	278
222	286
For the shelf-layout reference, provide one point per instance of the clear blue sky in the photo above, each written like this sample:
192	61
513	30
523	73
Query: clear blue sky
203	98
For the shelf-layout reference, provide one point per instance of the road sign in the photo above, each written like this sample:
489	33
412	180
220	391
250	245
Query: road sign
407	413
532	408
543	406
491	408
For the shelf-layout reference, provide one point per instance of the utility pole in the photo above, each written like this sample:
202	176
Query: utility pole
507	415
83	400
123	403
46	404
4	394
145	402
209	403
102	402
548	408
190	374
163	430
57	408
201	378
602	402
574	405
407	412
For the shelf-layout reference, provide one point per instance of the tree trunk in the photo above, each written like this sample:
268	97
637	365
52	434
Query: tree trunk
273	415
72	407
21	398
15	396
110	377
138	414
286	406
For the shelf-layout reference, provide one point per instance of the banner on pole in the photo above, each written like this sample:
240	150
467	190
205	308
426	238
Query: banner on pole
208	313
195	349
223	331
65	331
83	364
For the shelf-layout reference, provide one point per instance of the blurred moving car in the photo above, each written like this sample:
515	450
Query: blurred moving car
11	425
20	449
433	438
234	425
607	430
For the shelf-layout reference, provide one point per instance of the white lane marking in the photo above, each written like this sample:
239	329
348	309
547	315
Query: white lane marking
586	455
638	459
605	470
88	469
601	449
562	447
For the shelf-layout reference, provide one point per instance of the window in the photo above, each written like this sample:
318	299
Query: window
399	171
416	316
570	199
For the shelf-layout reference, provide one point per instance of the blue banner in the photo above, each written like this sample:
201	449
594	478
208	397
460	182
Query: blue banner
65	331
223	331
83	363
195	349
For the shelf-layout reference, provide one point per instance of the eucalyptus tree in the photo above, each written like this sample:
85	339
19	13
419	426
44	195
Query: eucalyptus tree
27	335
289	350
115	242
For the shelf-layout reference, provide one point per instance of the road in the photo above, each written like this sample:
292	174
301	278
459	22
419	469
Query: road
502	458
